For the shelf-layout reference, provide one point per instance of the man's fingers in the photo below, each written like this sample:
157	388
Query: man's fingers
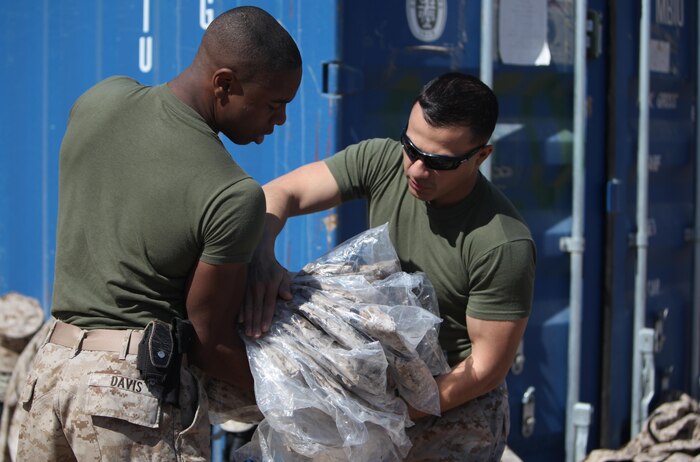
248	315
261	299
278	288
256	312
268	307
251	305
285	290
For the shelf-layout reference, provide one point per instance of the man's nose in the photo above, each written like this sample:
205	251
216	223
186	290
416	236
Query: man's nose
418	169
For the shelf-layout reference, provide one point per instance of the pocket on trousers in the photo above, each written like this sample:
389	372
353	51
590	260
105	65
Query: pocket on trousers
122	397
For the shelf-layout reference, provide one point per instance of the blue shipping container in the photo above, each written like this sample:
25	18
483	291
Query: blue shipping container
364	62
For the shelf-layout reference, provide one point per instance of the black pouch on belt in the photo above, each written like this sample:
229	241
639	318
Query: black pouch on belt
159	359
183	331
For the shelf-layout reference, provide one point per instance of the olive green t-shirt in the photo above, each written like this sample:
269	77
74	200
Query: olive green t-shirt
146	189
478	254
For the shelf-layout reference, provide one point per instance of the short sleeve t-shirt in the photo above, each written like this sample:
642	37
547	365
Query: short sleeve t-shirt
146	189
478	254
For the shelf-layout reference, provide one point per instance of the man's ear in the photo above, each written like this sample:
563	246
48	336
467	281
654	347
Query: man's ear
225	83
484	154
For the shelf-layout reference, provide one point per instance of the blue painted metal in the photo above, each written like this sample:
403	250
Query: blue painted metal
24	153
377	39
53	51
362	69
532	165
672	138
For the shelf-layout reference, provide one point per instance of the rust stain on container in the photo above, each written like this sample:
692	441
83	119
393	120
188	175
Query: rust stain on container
331	223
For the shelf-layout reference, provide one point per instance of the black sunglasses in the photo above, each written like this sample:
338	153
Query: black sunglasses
435	161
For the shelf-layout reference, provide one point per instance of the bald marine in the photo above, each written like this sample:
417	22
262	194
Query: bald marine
246	70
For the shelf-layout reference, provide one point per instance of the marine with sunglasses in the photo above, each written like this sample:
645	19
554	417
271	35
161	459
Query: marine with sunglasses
447	220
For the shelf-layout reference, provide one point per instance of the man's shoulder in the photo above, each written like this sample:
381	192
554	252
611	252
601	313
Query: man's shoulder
498	222
499	205
120	80
108	91
366	163
246	184
114	83
371	146
379	145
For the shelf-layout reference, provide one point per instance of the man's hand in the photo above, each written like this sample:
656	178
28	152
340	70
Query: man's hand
267	280
494	344
310	188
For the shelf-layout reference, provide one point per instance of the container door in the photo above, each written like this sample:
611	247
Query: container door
54	51
672	105
389	51
533	166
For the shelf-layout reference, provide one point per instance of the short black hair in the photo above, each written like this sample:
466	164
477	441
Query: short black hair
457	99
253	41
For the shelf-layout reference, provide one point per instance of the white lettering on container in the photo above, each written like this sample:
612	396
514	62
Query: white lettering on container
654	162
653	287
670	13
206	15
667	100
146	41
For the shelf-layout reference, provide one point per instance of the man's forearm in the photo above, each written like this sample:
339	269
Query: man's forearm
227	362
308	189
464	383
494	344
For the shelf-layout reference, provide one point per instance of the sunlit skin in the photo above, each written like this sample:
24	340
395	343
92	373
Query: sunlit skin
441	187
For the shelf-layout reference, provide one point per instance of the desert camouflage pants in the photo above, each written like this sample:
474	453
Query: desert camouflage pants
476	431
92	405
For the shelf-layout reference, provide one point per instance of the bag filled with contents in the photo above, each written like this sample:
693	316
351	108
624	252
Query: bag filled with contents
356	343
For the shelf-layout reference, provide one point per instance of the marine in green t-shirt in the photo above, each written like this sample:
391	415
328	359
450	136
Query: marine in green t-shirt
461	246
446	220
156	222
144	210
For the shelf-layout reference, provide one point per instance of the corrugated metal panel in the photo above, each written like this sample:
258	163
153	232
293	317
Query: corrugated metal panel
364	61
53	51
672	138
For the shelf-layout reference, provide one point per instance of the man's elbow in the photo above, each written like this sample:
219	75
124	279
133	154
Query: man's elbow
492	377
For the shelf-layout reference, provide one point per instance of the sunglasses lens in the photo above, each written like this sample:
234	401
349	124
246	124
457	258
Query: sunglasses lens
440	163
431	161
410	152
434	163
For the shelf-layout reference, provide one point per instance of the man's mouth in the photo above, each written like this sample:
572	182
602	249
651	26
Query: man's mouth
416	187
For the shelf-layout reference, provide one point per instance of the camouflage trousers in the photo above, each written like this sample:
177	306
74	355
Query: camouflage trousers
475	431
93	405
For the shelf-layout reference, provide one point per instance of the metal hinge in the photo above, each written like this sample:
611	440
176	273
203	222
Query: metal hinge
519	361
612	196
528	420
594	34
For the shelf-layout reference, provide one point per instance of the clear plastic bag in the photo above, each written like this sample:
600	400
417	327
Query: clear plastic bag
357	332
